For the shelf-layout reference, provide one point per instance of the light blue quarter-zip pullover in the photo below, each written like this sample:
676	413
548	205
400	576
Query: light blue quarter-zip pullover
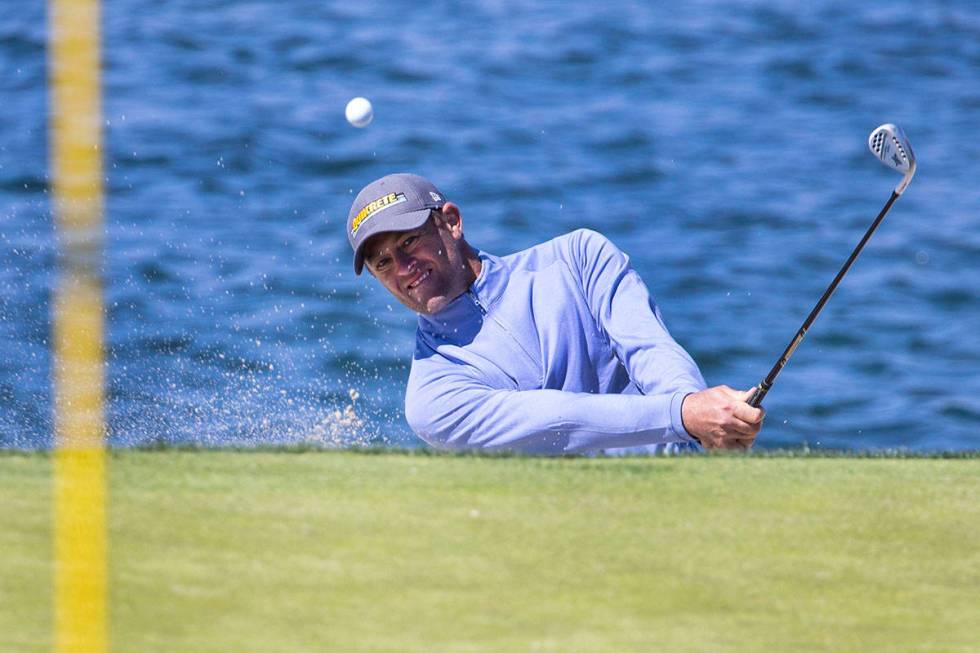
555	349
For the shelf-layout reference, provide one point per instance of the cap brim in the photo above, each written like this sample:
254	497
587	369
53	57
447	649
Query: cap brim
401	222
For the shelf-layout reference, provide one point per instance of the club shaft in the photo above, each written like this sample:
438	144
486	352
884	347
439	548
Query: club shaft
766	384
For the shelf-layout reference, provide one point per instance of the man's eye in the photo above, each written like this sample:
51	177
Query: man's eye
382	264
410	241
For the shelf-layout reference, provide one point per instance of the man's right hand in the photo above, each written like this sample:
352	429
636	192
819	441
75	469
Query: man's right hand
720	418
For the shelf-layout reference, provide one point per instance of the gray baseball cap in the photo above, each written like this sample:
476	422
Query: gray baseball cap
397	202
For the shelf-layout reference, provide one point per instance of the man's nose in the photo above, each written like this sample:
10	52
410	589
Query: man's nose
405	264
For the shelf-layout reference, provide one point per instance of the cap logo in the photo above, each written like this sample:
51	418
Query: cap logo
374	207
435	196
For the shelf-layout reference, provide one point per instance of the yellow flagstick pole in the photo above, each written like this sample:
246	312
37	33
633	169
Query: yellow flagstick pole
79	470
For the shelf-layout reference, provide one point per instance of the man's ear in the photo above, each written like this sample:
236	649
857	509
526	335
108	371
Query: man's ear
452	219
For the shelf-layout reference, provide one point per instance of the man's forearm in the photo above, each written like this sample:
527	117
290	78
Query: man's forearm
547	421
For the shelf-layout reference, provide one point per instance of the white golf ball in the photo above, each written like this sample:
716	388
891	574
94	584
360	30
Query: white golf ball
359	112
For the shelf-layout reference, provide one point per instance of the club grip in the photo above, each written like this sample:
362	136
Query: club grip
760	393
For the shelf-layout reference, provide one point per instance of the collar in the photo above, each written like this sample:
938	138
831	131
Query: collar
492	282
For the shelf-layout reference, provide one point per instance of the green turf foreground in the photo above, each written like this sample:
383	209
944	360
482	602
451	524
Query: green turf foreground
332	551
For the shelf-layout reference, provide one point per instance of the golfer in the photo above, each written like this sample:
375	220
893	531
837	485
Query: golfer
555	349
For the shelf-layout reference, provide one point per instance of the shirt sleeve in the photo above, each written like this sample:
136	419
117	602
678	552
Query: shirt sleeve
460	411
629	318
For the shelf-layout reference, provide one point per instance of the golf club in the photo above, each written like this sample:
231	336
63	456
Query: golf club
889	143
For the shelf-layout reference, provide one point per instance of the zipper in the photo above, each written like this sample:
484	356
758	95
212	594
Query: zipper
476	300
503	327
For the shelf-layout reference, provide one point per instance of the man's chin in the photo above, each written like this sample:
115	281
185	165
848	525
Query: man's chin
435	304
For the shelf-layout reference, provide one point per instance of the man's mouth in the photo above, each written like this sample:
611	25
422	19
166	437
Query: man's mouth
422	277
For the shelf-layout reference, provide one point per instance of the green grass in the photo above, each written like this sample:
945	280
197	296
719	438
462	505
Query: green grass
333	551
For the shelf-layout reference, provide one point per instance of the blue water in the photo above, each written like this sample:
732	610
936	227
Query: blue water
721	144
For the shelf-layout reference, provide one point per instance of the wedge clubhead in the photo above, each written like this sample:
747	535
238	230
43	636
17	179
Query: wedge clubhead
890	144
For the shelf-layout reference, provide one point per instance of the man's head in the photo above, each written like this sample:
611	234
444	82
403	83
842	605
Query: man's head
411	240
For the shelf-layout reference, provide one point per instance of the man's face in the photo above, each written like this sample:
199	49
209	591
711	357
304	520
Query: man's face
424	268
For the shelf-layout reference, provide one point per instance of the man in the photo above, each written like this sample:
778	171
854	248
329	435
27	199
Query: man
555	349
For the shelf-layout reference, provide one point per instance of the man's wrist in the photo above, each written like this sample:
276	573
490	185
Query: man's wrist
677	417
